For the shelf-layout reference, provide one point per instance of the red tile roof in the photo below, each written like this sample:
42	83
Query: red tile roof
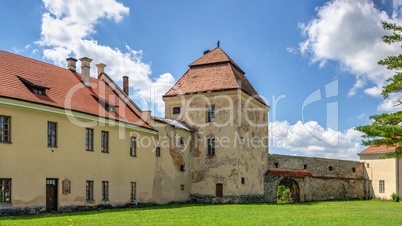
62	85
282	173
377	149
214	71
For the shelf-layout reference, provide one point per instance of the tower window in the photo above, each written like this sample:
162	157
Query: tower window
211	113
176	110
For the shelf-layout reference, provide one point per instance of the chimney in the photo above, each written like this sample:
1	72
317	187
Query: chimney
71	64
101	68
85	70
125	85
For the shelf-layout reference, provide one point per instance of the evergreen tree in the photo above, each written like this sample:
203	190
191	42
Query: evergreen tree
386	128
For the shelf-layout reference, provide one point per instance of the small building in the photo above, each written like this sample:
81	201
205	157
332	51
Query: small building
385	175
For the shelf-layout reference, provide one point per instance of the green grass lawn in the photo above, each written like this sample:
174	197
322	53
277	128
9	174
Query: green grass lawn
370	212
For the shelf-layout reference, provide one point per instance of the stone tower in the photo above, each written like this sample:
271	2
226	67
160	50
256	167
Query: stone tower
229	152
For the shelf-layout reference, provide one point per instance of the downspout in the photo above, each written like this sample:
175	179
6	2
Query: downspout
397	176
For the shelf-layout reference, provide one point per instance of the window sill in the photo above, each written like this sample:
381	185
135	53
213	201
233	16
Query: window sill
5	142
90	150
90	201
51	146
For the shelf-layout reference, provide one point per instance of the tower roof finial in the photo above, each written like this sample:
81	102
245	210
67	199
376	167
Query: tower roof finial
218	44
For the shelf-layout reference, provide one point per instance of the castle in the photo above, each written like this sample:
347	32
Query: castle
71	141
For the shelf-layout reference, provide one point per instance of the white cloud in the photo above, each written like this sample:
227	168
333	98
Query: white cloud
66	31
298	139
349	32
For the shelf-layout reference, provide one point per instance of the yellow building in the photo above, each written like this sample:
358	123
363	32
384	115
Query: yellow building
70	141
384	174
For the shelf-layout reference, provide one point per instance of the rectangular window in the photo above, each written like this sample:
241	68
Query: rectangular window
51	134
5	190
243	181
182	187
181	140
133	191
176	110
105	190
382	186
5	129
105	142
211	146
89	139
133	146
90	190
211	113
158	151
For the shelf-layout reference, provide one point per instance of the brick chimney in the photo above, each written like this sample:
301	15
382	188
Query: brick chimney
71	64
101	68
125	85
85	70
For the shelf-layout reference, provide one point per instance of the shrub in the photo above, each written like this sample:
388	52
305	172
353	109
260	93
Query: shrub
395	197
282	194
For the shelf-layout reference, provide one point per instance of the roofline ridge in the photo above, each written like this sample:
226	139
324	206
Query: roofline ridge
33	59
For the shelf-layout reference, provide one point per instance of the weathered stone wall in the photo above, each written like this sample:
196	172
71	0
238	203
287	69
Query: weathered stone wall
315	179
237	164
169	177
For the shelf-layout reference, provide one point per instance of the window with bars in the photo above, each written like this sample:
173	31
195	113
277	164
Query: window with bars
133	190
382	186
211	146
133	146
105	142
51	134
105	190
211	113
89	190
5	129
5	190
89	139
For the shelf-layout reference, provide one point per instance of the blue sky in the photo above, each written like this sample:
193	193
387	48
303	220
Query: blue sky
288	49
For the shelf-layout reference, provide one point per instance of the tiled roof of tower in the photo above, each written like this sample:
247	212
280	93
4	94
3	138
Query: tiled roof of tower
214	71
64	89
378	149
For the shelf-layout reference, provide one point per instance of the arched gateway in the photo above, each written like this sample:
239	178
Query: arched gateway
294	195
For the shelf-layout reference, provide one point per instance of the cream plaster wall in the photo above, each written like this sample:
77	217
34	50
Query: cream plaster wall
29	161
381	169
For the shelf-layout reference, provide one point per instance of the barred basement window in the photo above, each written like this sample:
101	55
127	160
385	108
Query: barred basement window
5	129
89	190
133	191
5	190
382	186
105	190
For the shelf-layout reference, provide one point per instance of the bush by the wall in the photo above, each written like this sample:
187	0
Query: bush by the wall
395	197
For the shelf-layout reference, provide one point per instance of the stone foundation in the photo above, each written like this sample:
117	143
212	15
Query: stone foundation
209	199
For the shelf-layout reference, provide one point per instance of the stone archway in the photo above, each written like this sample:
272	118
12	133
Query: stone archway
294	195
